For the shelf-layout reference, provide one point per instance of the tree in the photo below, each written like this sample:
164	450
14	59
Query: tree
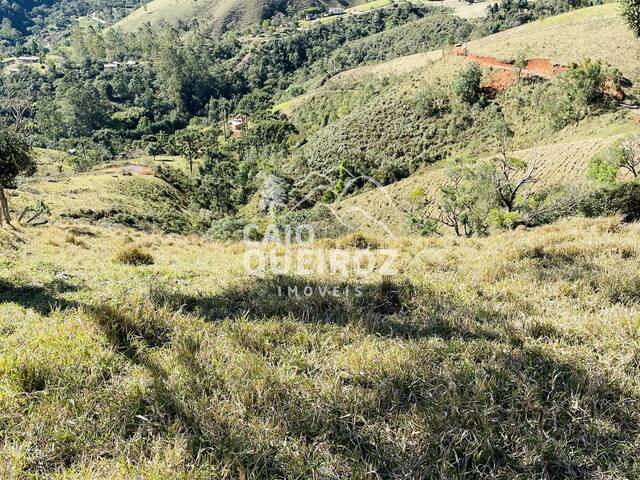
18	102
521	63
81	107
631	14
268	134
623	155
153	149
628	155
511	178
588	83
16	158
467	85
463	204
216	188
190	143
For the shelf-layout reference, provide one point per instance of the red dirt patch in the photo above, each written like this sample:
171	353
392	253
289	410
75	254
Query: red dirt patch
544	68
138	170
499	81
540	67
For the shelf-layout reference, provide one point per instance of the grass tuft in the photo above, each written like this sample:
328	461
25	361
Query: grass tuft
132	255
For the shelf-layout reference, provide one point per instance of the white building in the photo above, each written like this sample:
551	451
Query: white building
28	59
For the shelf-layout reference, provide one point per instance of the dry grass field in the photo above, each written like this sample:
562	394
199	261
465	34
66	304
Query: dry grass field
133	348
526	343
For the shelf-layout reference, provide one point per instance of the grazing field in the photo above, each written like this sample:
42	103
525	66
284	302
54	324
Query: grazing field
491	358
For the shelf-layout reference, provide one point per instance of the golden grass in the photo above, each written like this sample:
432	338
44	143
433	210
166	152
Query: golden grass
188	369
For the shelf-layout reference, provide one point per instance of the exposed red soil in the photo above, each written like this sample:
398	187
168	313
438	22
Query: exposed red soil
499	81
540	67
544	68
138	170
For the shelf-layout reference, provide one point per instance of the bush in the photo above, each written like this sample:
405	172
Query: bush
622	198
467	85
230	228
132	255
359	241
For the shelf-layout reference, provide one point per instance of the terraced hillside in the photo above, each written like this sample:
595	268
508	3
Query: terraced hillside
564	161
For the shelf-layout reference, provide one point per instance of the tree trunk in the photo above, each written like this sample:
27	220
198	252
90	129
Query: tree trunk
5	216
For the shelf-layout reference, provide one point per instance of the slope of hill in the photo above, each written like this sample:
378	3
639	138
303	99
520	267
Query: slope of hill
597	32
107	196
219	15
563	160
489	358
376	114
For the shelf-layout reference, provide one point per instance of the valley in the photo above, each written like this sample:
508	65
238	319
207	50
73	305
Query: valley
291	239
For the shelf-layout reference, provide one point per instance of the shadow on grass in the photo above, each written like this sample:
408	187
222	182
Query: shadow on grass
386	308
43	299
476	410
167	405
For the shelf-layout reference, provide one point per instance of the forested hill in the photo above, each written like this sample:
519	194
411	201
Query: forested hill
21	17
16	15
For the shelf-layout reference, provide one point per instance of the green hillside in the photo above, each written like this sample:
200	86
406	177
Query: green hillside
219	15
380	115
370	249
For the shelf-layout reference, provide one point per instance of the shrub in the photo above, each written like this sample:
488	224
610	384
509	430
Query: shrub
467	85
132	255
631	14
230	228
359	241
622	198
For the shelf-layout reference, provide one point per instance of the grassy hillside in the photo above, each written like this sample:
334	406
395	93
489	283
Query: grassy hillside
382	115
221	15
491	358
564	159
596	32
106	196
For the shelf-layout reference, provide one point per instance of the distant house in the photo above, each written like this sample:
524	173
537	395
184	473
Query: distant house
237	124
28	59
111	66
335	11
